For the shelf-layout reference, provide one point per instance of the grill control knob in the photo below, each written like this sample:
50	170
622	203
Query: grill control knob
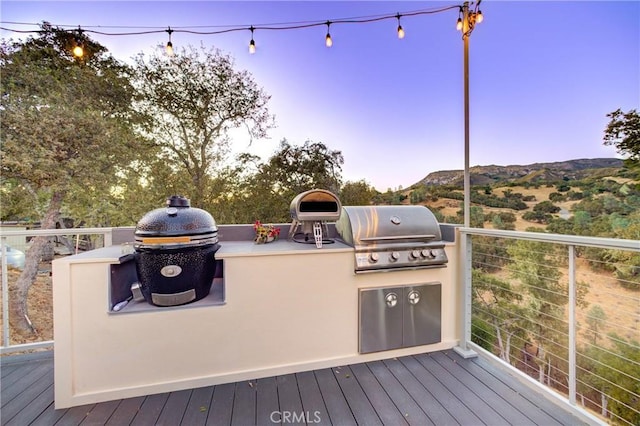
433	254
425	253
415	254
394	256
373	257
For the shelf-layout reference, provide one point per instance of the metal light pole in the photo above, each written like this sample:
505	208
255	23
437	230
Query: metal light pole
466	23
466	32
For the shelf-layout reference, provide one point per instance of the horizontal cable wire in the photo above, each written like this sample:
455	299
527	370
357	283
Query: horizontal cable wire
526	286
534	334
611	397
612	324
611	368
608	397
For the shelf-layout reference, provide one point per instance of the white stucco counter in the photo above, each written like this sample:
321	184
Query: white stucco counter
286	307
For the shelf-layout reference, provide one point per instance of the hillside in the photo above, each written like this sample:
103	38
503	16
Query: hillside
537	172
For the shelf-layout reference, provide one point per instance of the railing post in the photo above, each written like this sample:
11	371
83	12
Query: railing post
572	325
108	238
5	294
463	348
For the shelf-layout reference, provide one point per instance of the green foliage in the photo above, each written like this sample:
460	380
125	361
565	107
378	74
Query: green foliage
595	318
358	193
65	122
623	132
546	207
418	195
190	102
537	216
556	197
614	372
489	254
483	334
255	190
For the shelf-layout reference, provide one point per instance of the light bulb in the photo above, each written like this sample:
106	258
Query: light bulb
479	17
400	32
459	24
327	40
169	48
252	47
78	51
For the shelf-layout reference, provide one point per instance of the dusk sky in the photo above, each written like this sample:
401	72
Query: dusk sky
543	75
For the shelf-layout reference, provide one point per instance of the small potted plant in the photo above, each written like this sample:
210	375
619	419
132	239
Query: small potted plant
265	233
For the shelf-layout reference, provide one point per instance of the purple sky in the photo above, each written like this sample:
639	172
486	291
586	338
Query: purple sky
543	75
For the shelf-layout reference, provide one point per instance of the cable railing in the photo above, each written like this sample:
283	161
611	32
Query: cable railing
14	246
563	310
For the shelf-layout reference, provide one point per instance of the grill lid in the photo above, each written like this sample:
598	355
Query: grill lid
366	225
176	224
392	237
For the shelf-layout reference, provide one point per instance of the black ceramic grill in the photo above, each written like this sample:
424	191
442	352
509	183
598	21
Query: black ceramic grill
175	253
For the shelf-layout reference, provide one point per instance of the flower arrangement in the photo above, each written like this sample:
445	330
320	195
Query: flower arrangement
265	233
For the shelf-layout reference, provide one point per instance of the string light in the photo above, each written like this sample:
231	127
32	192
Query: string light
78	50
476	15
169	47
327	40
400	29
252	43
472	18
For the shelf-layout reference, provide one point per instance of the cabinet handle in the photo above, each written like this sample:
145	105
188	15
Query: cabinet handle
391	299
414	297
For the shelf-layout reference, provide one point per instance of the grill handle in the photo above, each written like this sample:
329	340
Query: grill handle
398	237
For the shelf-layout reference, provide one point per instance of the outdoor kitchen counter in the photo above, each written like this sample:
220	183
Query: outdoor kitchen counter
288	307
229	249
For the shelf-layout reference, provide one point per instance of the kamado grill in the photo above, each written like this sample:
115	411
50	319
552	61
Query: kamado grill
175	254
389	238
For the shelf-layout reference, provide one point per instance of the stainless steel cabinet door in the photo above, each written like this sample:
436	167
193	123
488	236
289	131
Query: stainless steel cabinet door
380	319
422	314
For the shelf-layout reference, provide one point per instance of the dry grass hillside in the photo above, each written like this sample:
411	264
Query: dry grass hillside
449	206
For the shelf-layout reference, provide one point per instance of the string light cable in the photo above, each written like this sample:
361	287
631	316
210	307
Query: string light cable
474	16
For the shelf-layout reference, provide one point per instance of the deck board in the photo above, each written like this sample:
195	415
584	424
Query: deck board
267	401
198	406
150	410
337	407
470	401
9	391
358	402
488	395
311	397
439	388
174	409
221	405
384	406
412	413
126	411
244	404
289	400
100	413
515	392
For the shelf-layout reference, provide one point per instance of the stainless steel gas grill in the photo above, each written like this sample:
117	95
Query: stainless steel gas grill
389	238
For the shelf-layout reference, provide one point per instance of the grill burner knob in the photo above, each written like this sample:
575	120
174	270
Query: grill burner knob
433	254
415	254
373	257
394	256
425	253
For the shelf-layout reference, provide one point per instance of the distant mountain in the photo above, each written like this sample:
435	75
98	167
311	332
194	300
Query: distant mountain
538	172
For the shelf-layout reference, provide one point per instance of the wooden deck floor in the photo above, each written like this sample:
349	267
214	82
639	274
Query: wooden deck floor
431	389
